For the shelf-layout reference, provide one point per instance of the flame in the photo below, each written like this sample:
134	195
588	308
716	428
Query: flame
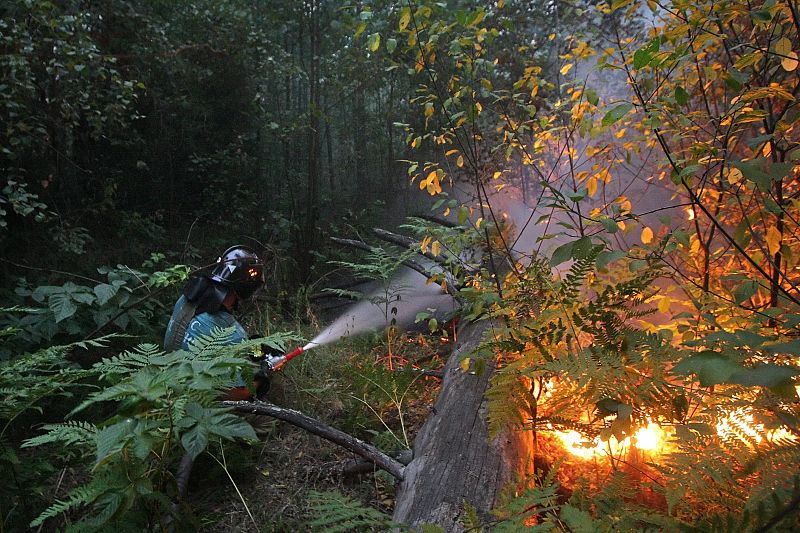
649	438
653	439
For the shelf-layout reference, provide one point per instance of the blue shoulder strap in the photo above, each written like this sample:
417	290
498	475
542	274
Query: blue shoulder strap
182	315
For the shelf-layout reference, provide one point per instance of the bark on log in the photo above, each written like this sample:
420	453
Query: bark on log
296	418
454	460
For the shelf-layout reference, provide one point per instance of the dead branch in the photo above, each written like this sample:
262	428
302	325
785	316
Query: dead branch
411	244
451	284
296	418
436	220
360	466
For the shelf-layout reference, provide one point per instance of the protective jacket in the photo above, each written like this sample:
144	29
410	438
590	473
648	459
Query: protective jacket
184	326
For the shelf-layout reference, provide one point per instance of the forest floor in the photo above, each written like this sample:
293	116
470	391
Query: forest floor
347	385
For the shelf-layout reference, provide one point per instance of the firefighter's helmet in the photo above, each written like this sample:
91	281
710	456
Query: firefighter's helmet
240	269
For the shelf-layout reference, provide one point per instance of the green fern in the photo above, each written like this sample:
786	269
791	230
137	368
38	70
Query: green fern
69	433
337	513
78	497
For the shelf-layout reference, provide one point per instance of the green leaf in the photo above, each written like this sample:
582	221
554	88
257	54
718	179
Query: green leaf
561	254
712	368
230	426
391	44
609	224
761	15
104	293
582	247
62	306
790	348
605	258
764	375
111	439
681	96
641	58
744	291
591	97
195	440
616	113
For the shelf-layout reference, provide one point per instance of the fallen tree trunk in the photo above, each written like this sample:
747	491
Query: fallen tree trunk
296	418
455	463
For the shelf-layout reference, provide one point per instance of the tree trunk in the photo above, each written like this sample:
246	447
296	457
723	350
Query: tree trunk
454	462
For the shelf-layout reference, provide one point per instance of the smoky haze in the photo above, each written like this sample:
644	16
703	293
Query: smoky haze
521	203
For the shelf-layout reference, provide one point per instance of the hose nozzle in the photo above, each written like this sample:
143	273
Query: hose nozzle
275	363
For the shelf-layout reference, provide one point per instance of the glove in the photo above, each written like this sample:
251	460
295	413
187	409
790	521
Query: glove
263	376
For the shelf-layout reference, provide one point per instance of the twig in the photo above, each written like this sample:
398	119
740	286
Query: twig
303	421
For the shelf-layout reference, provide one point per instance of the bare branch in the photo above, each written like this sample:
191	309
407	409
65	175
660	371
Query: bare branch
296	418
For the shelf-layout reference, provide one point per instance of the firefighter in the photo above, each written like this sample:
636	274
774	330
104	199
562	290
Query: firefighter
208	301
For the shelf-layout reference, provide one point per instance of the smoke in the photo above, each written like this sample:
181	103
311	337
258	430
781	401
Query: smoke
539	228
398	303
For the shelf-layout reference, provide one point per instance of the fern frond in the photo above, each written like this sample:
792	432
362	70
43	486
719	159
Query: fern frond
339	513
68	433
128	361
78	497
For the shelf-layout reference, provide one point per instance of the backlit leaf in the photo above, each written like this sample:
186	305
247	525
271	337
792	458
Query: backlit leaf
773	238
647	235
790	62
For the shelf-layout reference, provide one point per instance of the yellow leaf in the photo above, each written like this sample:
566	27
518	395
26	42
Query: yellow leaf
451	152
551	37
424	245
565	69
734	175
497	175
464	364
479	222
436	247
783	46
500	4
789	63
460	161
647	235
767	149
773	239
405	18
663	304
591	185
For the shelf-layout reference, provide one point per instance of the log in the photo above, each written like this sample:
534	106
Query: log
454	459
303	421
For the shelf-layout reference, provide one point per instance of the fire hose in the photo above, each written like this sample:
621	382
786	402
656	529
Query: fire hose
275	362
